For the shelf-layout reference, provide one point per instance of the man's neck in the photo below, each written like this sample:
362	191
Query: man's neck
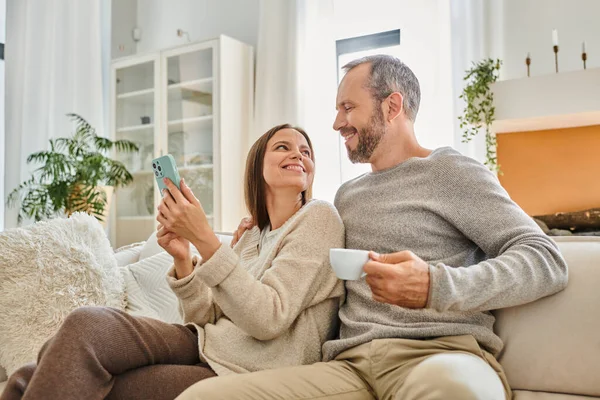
395	148
282	206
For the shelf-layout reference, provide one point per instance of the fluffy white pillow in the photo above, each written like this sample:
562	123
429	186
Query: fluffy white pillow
47	270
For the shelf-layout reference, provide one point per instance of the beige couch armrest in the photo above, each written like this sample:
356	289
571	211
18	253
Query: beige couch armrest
551	345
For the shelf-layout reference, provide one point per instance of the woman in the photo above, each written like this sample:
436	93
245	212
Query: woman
269	302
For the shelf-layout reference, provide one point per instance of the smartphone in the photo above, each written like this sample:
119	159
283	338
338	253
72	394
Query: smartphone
165	167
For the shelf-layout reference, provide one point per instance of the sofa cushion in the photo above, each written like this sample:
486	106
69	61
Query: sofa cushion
553	344
225	238
151	275
137	301
128	254
47	270
150	247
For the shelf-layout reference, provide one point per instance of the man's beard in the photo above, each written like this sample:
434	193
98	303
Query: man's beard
368	139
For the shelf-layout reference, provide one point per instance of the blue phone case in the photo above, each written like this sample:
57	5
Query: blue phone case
165	167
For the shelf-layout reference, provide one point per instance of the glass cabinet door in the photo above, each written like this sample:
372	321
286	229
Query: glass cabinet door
135	120
189	123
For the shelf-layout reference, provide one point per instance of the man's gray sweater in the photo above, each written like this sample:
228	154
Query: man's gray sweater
483	251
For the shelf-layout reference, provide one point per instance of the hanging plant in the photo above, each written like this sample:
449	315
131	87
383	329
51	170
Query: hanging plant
479	109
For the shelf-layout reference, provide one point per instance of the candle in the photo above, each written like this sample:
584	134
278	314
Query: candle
555	37
583	47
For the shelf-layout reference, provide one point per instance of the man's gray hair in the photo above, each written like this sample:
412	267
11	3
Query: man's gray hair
389	75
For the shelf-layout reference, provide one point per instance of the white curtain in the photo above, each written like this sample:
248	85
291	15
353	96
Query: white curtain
296	80
476	33
54	66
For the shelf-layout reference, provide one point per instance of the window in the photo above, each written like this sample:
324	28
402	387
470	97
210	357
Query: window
350	49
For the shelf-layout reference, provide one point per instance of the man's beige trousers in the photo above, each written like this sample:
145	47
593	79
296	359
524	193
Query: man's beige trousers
448	368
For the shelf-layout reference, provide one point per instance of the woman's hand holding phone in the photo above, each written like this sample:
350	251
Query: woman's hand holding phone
181	213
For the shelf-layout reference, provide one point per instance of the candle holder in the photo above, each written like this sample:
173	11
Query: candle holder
584	59
555	47
528	63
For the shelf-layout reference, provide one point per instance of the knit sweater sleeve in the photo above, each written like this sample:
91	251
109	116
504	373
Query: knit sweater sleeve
523	263
266	308
195	299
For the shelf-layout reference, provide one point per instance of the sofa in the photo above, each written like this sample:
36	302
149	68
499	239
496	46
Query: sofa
552	346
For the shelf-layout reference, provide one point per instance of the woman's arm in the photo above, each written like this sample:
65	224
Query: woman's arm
299	276
194	297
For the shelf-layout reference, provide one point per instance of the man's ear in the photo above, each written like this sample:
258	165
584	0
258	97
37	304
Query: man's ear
395	107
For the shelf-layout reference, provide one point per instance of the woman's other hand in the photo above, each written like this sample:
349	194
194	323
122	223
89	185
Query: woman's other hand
176	246
245	224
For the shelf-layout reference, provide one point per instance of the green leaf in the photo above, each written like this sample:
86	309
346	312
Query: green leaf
126	146
70	175
479	108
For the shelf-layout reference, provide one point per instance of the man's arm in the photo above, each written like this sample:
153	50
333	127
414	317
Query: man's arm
524	264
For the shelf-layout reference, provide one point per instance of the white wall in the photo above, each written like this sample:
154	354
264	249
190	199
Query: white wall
528	27
123	20
202	19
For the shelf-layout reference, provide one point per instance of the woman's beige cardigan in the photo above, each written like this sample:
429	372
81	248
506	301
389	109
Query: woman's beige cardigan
255	311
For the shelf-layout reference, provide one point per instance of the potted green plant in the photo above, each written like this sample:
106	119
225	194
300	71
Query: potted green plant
73	173
479	109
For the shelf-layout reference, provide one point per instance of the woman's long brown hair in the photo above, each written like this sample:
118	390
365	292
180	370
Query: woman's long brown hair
256	188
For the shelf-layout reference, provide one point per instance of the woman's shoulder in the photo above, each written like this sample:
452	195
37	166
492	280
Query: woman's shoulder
317	207
317	215
317	223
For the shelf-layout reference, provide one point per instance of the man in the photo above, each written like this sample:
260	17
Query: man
450	246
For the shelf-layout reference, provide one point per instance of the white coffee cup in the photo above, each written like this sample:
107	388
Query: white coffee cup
348	263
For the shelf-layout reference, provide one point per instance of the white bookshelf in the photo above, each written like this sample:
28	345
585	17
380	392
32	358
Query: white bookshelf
177	125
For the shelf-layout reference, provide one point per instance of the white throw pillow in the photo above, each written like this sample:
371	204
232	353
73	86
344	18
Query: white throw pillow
137	302
225	239
150	248
151	275
128	254
47	270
